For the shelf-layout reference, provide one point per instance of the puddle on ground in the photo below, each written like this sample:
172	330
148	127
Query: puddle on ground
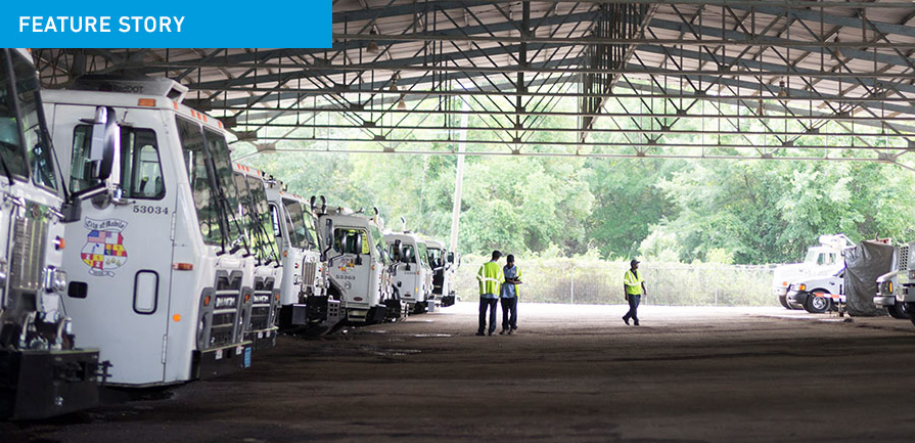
374	331
431	335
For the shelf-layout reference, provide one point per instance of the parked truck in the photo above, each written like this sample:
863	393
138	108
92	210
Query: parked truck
893	288
444	268
42	371
821	260
261	308
158	263
814	292
360	280
305	271
411	272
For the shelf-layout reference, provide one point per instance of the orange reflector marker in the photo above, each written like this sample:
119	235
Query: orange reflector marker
277	297
206	300
247	298
183	266
148	102
176	317
285	253
60	243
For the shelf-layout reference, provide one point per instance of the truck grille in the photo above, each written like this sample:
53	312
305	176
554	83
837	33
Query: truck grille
308	273
903	258
29	243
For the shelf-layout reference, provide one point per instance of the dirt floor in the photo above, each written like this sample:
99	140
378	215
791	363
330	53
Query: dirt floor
572	373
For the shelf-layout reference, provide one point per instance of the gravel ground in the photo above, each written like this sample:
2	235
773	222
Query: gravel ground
572	373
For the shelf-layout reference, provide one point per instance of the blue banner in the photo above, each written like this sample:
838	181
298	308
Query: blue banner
166	24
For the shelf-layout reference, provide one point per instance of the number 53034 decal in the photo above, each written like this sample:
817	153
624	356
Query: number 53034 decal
140	209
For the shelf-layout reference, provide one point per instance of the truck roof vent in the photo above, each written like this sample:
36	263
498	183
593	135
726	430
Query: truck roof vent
133	85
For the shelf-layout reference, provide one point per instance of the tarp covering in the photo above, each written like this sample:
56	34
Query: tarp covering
864	263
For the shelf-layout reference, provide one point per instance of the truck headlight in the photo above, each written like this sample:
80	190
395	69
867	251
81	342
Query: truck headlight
889	287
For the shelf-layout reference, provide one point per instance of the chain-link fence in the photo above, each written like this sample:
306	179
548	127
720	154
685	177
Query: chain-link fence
572	281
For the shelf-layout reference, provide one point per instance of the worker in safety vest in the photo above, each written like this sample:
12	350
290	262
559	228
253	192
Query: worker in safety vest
491	279
634	289
509	296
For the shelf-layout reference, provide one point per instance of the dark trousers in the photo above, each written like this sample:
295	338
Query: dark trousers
633	313
509	313
488	303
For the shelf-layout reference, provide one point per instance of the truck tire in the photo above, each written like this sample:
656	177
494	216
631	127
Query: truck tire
817	305
899	311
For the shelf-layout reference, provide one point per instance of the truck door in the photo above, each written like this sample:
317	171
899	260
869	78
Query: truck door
122	250
352	267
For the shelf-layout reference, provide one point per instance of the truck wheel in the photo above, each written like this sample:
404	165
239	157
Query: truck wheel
817	305
784	301
898	311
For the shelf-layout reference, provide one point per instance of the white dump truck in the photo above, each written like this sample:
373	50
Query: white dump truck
360	281
444	268
261	309
42	372
821	260
158	263
411	273
894	288
305	271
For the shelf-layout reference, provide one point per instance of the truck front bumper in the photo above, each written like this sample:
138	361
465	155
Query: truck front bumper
881	301
40	384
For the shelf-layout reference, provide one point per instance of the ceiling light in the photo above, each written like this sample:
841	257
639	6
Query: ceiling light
837	53
401	104
782	92
373	46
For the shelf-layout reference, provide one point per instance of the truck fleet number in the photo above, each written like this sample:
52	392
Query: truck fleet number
140	209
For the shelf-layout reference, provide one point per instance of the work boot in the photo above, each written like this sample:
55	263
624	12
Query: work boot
502	332
626	320
636	322
480	333
511	331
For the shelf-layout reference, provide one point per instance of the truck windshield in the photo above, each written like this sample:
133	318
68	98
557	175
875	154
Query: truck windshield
11	144
263	234
222	165
36	141
379	243
821	257
301	232
423	255
203	184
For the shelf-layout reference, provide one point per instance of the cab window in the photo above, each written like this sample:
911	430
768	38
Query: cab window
345	241
141	170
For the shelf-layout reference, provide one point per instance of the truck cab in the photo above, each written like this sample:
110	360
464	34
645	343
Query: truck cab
444	271
411	273
803	292
266	270
357	266
820	259
896	289
158	264
305	276
42	372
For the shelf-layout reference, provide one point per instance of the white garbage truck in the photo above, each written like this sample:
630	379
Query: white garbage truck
42	372
821	260
360	281
894	288
444	268
158	263
305	271
411	274
260	310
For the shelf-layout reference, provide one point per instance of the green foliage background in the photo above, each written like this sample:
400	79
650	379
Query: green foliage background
731	212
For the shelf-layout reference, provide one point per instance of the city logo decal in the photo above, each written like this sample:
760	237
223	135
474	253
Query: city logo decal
104	250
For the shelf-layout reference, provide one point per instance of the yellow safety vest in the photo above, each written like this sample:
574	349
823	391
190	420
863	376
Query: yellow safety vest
491	278
633	282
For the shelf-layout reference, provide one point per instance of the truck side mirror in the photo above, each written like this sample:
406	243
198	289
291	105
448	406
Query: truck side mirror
105	144
451	257
358	245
